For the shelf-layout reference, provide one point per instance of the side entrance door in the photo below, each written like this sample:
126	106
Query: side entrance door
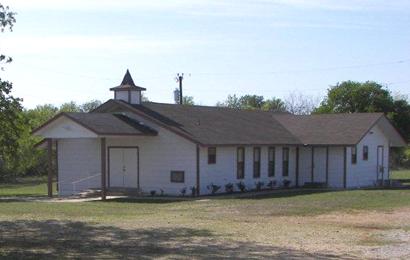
123	169
380	163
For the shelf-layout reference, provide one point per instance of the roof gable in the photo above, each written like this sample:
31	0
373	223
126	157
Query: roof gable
77	125
63	127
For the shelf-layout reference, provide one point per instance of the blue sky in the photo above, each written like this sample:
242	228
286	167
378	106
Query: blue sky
78	49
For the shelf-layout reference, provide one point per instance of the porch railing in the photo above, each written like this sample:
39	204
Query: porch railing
76	182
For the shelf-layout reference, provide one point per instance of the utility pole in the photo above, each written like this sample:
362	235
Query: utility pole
180	78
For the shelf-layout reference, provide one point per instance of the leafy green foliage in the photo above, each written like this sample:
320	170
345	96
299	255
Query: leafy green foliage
188	100
7	20
253	102
274	104
70	107
90	106
351	97
11	125
401	117
11	121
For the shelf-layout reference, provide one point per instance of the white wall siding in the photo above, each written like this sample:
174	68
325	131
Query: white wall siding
305	165
319	165
364	173
225	169
158	156
336	162
135	97
121	95
78	159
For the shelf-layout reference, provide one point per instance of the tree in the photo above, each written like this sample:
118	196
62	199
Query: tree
351	97
11	121
401	117
253	102
70	107
40	114
188	100
232	101
299	104
144	98
7	21
275	105
90	106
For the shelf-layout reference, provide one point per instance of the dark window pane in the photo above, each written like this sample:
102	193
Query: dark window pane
256	162
271	162
285	164
177	176
354	155
240	169
365	153
211	155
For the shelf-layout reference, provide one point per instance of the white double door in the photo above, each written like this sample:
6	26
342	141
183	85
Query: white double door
123	167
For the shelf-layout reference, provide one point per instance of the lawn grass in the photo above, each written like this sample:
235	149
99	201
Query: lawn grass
400	174
290	224
288	203
25	187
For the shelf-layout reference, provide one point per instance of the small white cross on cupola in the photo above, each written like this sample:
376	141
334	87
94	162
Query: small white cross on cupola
128	91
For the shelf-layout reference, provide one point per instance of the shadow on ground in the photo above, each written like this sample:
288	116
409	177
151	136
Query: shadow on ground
56	239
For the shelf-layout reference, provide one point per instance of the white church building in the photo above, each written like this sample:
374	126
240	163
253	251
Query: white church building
167	148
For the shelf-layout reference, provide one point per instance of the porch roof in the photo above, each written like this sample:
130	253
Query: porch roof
100	124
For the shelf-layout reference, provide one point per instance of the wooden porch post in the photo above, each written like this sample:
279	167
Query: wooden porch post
50	167
297	166
103	170
56	168
327	165
344	167
198	182
312	168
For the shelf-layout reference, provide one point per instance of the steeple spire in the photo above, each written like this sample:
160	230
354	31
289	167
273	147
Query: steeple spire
127	90
127	80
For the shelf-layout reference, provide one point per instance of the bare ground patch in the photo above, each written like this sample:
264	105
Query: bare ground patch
61	239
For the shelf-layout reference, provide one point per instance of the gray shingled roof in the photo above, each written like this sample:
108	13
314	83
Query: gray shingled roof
219	125
225	126
329	129
110	124
222	126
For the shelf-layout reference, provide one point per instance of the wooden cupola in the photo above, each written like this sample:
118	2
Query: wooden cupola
128	91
